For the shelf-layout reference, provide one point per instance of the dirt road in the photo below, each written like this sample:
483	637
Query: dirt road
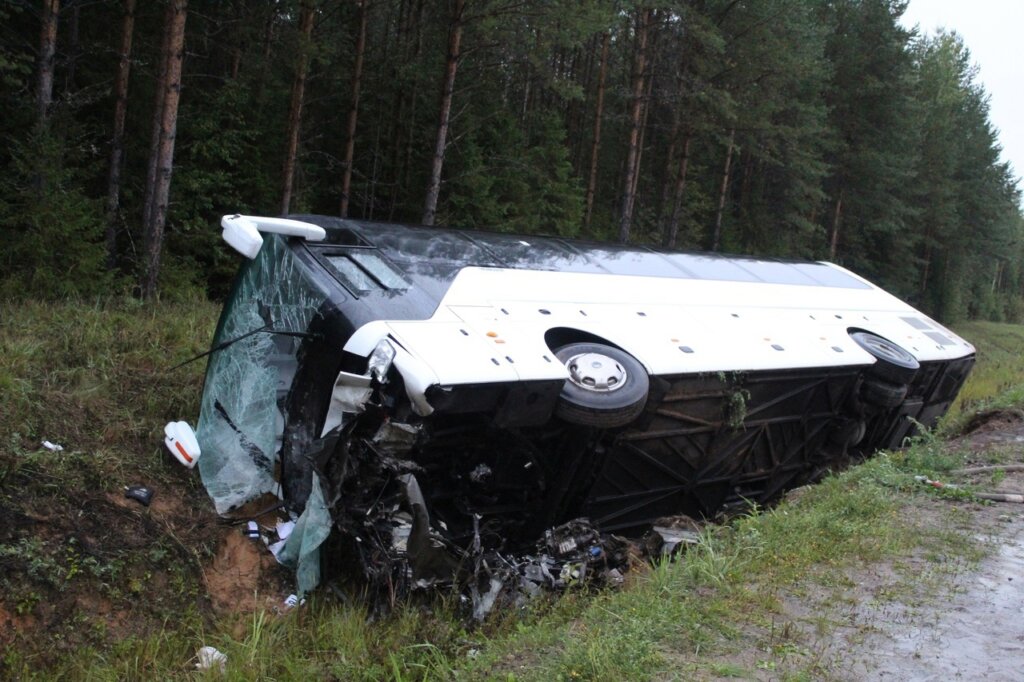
965	625
976	633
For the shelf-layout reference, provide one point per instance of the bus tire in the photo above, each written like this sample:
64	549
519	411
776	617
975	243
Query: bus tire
607	387
892	363
883	394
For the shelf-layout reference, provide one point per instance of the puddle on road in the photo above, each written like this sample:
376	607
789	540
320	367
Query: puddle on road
978	634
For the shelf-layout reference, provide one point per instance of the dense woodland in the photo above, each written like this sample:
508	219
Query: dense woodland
797	128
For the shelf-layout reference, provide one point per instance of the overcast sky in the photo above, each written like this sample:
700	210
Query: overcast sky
992	31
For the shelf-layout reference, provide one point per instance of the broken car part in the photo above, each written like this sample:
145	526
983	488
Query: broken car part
139	493
181	440
444	397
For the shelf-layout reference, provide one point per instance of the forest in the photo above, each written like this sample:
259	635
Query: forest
818	129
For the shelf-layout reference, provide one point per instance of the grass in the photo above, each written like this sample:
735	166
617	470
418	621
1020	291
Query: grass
93	378
997	380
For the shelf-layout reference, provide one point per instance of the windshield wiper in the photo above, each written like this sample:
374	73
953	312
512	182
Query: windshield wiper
261	330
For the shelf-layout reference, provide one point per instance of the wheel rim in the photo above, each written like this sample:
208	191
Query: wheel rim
596	372
890	351
885	350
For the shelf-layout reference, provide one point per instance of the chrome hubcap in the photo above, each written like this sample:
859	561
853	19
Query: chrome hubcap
596	372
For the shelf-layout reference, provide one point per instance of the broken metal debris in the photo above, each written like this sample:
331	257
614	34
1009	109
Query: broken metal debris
669	535
139	493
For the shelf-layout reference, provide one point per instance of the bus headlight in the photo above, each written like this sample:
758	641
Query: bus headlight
380	360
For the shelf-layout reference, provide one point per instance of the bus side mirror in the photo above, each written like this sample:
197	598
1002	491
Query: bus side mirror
242	235
242	232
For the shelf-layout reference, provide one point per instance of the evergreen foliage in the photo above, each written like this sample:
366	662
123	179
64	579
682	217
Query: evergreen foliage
793	128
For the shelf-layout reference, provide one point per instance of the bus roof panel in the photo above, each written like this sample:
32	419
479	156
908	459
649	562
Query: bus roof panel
537	253
711	267
411	245
626	260
829	276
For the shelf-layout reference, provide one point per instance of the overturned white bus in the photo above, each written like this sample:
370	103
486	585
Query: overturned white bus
487	386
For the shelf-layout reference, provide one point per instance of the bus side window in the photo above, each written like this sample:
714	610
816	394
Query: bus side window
363	271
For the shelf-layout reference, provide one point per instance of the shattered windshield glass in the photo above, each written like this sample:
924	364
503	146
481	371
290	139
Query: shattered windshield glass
241	420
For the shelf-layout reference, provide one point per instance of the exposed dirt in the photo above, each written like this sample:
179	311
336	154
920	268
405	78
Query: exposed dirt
81	564
242	575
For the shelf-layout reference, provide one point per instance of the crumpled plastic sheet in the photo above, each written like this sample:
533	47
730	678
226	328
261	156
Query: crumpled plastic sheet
301	550
240	423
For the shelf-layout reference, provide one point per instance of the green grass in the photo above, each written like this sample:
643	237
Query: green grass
94	378
997	380
720	595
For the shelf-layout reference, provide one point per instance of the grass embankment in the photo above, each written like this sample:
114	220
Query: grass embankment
100	590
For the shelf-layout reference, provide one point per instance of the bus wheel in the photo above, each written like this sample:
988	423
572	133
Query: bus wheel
883	394
892	363
606	387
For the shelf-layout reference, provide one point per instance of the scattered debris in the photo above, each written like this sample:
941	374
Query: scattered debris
670	534
936	484
209	657
993	497
139	493
181	440
52	447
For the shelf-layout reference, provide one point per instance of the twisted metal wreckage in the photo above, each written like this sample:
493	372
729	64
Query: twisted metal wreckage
438	406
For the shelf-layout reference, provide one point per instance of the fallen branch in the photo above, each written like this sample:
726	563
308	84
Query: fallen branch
989	468
1002	497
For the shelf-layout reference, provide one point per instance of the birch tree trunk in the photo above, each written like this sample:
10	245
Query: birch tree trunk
168	130
117	139
295	110
447	88
628	196
716	239
595	147
353	112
